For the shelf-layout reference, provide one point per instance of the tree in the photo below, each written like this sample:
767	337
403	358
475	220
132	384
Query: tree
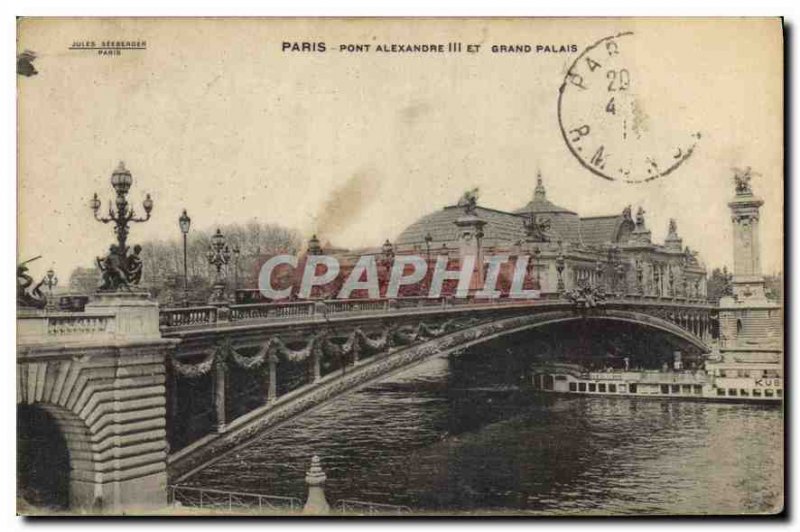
84	280
718	284
773	285
162	271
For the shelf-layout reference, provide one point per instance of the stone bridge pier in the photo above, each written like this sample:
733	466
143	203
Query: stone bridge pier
91	387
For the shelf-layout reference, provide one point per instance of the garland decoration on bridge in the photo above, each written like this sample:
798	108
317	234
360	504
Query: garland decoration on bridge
192	371
426	331
354	344
404	337
357	342
252	362
293	355
359	339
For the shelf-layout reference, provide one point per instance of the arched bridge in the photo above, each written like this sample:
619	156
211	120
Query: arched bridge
340	346
145	397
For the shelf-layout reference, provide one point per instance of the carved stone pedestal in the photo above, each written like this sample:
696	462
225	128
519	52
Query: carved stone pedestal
316	504
135	313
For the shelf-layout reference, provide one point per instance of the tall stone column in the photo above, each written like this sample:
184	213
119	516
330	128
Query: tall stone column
750	324
747	280
470	227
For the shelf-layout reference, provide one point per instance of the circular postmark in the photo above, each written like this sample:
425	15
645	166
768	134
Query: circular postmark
603	115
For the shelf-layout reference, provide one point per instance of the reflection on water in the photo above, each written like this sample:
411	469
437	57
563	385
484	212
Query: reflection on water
435	438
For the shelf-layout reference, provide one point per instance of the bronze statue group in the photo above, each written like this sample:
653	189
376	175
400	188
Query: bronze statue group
120	270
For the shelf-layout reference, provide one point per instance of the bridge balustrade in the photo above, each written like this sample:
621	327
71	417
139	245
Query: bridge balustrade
410	302
179	317
356	305
209	315
63	325
250	311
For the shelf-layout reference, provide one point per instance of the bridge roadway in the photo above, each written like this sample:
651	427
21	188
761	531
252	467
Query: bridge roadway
370	339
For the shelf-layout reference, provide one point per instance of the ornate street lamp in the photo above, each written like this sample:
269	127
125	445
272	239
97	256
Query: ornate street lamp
236	253
184	222
560	266
50	281
218	255
115	271
388	253
121	180
313	246
536	254
428	240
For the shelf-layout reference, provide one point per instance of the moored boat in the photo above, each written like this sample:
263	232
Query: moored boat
717	382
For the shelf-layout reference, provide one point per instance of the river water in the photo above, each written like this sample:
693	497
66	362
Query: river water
457	435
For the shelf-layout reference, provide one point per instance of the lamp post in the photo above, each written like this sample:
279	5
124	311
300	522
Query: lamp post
121	181
560	262
184	222
536	254
388	253
314	248
428	240
236	251
218	255
50	281
386	261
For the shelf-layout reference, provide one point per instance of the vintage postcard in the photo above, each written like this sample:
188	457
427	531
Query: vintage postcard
400	267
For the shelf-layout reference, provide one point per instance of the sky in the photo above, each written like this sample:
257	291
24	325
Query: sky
216	118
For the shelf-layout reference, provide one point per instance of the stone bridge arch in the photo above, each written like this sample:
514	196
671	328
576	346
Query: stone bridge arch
487	331
637	318
108	405
73	434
